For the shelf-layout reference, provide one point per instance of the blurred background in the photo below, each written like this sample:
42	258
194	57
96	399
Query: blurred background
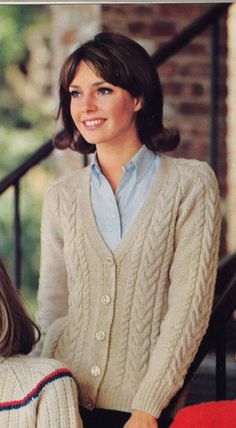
35	39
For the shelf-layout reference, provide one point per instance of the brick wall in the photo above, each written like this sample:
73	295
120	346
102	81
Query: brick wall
185	78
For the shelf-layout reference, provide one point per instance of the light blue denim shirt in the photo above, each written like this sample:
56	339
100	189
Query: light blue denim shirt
114	212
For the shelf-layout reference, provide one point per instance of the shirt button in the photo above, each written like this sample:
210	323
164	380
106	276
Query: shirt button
105	299
95	371
109	261
100	335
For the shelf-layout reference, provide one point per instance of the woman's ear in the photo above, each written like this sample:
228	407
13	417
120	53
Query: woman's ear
138	103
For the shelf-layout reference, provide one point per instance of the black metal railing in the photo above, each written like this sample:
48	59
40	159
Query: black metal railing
209	20
13	179
214	339
223	307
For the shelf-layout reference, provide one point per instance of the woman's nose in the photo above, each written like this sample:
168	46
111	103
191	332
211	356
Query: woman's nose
88	103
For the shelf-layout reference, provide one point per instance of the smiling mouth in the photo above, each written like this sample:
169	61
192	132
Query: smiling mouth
93	123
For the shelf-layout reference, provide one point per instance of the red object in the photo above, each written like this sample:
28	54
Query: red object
220	414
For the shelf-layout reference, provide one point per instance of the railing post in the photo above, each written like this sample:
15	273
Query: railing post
221	364
17	235
214	96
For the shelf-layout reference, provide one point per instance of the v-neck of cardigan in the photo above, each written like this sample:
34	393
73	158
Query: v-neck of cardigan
157	188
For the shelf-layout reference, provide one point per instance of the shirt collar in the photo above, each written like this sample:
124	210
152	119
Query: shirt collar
140	163
95	166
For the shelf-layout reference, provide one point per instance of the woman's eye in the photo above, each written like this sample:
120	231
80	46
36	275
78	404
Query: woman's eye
75	94
104	91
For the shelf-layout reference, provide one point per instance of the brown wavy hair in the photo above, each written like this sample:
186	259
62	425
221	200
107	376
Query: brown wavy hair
122	62
18	333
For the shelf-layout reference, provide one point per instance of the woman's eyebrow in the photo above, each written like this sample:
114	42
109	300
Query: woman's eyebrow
100	82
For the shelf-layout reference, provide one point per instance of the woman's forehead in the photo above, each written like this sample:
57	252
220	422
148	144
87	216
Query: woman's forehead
85	73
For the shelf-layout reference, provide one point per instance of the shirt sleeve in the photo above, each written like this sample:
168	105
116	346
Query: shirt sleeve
53	291
192	279
58	405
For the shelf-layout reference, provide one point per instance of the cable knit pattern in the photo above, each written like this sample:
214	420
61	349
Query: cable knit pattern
125	321
37	392
130	321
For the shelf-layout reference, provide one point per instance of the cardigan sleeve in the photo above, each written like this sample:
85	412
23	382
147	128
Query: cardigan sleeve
58	405
192	277
53	292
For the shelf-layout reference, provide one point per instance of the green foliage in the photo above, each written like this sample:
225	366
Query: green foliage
6	244
26	122
32	188
22	98
14	22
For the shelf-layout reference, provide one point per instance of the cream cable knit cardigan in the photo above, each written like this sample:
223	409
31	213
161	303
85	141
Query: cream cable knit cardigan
128	323
37	392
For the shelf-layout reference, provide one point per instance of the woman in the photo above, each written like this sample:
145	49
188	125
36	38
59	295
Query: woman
129	243
33	392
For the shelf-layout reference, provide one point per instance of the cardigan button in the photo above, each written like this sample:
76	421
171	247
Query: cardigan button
105	299
95	371
100	335
109	261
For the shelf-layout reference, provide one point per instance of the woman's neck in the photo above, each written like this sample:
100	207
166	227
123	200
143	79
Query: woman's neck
111	161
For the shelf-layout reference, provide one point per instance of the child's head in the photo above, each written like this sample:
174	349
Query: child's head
17	330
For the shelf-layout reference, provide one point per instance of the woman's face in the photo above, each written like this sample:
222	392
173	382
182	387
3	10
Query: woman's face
102	112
